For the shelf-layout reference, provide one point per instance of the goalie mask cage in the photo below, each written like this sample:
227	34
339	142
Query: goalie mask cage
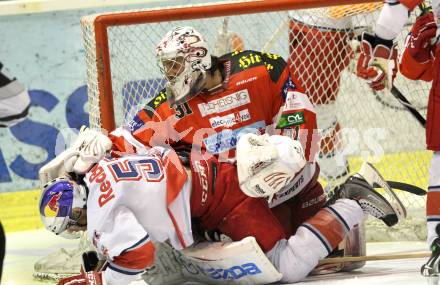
319	41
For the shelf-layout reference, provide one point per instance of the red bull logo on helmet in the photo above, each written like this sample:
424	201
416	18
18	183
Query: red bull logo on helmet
52	207
57	199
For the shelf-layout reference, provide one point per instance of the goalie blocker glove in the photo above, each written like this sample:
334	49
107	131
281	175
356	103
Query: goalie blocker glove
377	62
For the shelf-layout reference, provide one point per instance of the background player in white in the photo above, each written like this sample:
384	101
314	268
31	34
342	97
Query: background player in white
136	199
14	100
14	108
377	64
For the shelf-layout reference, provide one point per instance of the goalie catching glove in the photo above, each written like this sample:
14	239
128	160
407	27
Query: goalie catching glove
377	62
89	147
266	164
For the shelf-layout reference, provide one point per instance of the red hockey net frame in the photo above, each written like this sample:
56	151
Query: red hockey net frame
103	22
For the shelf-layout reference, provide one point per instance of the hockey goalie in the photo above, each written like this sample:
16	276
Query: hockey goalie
136	206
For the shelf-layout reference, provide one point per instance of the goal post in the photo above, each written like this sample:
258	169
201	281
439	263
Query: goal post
318	38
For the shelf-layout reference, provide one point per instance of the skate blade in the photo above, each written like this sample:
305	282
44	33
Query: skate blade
372	176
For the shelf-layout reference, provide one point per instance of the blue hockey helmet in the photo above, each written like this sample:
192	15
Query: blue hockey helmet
58	199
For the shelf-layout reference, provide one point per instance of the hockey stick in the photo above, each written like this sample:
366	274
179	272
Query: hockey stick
402	99
374	257
404	187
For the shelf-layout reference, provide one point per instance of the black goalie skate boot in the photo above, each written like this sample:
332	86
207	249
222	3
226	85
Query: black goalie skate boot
372	202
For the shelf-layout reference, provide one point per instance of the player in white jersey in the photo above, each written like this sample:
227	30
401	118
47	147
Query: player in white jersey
377	64
136	199
14	100
14	108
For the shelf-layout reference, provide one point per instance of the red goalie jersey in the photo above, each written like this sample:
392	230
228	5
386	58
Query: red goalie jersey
257	95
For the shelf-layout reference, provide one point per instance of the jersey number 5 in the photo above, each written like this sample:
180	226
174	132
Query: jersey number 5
134	170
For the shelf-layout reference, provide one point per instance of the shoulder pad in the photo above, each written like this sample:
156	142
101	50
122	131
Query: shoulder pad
242	60
155	102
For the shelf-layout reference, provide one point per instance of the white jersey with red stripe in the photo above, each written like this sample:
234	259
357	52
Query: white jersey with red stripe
135	200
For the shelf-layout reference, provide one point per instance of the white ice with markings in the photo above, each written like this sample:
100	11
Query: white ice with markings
24	248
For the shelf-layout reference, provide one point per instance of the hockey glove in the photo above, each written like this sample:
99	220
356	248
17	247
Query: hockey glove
267	164
86	278
418	42
90	272
89	147
377	62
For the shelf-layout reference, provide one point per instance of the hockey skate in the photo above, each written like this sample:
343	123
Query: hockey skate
431	269
359	187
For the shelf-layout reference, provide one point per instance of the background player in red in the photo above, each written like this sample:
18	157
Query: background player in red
421	60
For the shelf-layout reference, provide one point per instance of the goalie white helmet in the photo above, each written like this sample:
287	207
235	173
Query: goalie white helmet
184	58
267	164
58	200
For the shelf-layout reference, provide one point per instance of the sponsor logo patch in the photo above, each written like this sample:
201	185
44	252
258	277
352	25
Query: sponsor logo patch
225	103
291	119
246	81
227	139
231	119
296	100
203	178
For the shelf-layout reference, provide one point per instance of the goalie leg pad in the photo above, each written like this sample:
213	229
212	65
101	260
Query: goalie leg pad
240	262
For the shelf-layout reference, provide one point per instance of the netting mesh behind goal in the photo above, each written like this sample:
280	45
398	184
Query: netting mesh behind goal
321	47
